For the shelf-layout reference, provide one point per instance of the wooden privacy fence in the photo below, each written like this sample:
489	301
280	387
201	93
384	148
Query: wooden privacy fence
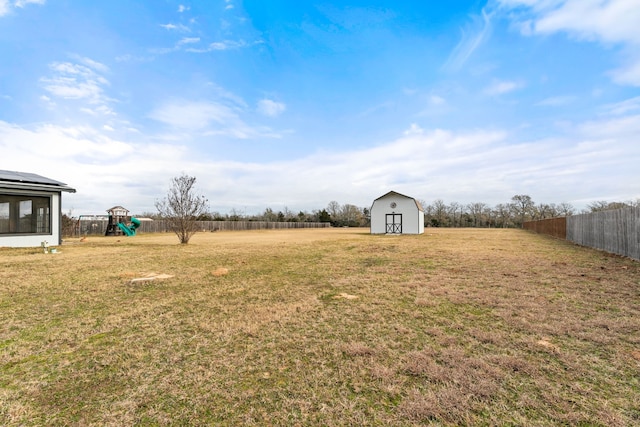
99	227
556	227
615	231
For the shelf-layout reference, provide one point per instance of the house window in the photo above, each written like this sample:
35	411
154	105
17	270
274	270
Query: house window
25	214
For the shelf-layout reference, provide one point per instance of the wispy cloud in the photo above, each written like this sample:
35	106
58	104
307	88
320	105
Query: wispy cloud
629	74
193	115
210	118
501	87
225	45
556	101
182	8
473	36
23	3
4	7
270	108
612	22
176	27
75	81
489	165
623	107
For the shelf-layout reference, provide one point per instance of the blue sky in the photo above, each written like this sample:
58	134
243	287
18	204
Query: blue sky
296	104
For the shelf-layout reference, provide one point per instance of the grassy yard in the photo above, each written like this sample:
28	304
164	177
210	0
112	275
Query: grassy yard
320	327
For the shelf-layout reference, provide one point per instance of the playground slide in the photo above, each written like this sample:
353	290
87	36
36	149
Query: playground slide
135	223
130	230
126	230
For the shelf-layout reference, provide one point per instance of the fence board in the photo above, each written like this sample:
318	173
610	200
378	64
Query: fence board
99	227
616	231
556	227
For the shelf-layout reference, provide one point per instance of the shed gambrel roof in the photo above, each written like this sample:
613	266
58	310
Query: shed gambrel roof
31	181
395	193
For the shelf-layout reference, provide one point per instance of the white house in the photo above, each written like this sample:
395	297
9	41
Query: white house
30	209
395	213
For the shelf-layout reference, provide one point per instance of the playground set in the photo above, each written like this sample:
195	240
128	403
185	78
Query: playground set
120	223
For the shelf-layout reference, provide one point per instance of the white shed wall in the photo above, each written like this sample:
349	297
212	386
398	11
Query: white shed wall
412	217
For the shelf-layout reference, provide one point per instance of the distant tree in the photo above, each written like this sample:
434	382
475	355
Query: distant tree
269	215
502	215
439	212
235	215
523	208
152	215
545	210
478	213
68	223
566	209
455	212
334	209
607	206
217	216
182	206
324	216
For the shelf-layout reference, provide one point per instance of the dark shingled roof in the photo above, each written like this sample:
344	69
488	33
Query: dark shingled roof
26	180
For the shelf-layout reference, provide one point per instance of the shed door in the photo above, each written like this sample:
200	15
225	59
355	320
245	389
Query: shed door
394	223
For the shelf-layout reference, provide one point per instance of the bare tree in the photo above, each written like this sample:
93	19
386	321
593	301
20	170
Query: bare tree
182	206
566	209
440	214
601	205
523	208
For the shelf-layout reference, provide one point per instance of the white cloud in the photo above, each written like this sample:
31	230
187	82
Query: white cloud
556	101
595	161
623	107
225	45
177	27
194	115
473	36
629	75
414	129
188	40
436	100
270	108
4	7
182	8
105	171
75	81
210	118
612	22
501	87
23	3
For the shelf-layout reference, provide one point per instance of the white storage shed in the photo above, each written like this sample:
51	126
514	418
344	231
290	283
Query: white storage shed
395	213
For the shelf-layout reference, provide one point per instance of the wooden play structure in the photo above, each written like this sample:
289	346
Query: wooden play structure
120	223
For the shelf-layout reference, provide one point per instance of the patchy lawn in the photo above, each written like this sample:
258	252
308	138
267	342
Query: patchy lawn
320	327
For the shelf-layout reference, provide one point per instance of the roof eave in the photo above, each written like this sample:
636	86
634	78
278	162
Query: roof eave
32	186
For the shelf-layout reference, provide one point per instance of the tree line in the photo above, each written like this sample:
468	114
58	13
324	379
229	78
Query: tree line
183	206
512	214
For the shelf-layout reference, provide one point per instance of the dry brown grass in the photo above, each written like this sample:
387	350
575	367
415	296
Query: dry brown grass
320	327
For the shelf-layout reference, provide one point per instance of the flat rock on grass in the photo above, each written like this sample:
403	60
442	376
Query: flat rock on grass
150	277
